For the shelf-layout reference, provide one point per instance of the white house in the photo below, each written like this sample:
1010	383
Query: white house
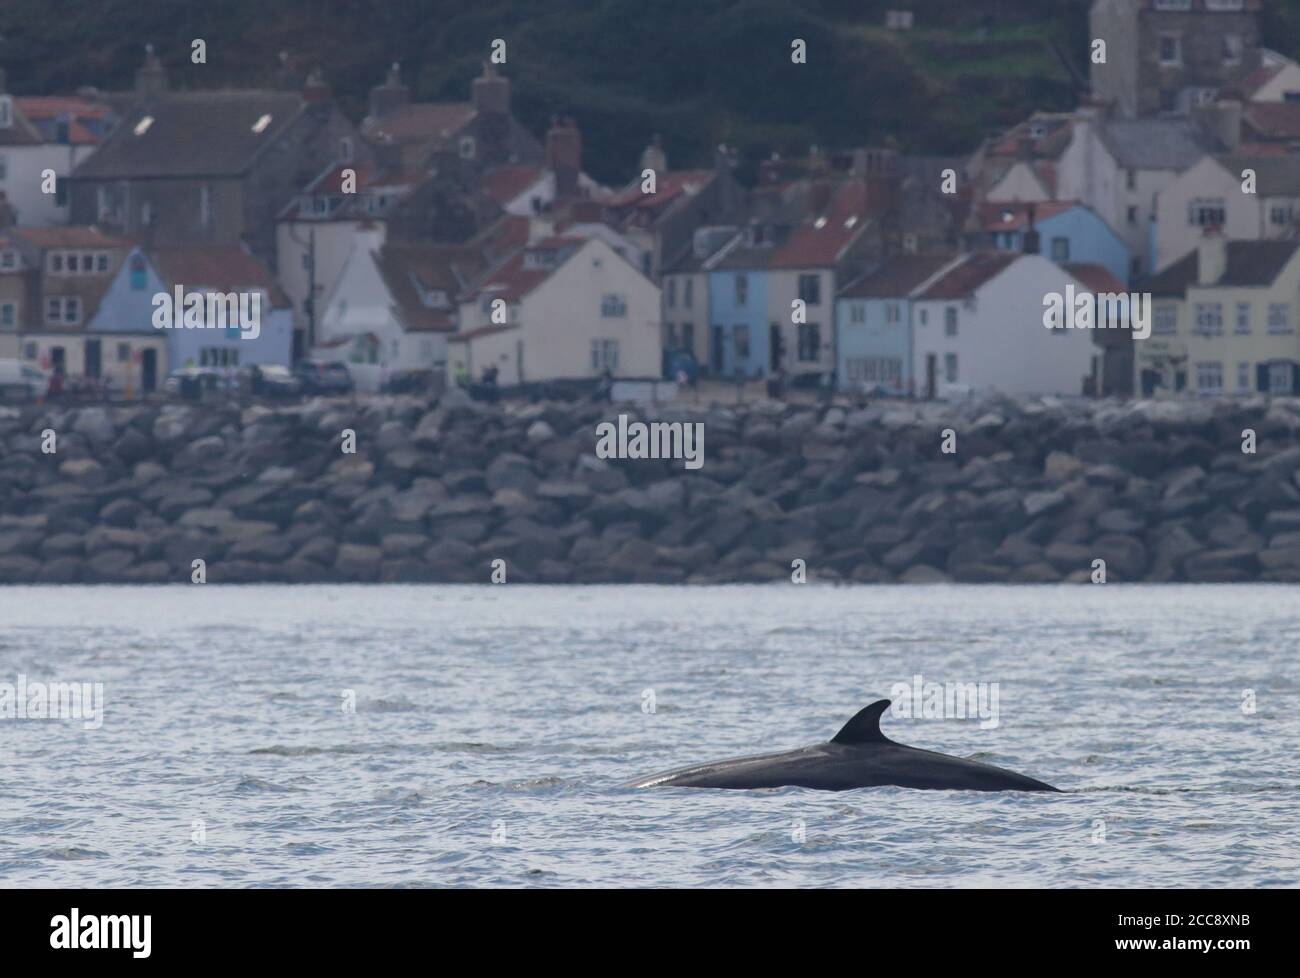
562	308
45	133
979	326
393	307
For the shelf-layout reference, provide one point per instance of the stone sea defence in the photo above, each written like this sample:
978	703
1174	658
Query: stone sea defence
1028	491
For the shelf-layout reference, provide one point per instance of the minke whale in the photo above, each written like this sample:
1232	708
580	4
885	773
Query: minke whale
859	756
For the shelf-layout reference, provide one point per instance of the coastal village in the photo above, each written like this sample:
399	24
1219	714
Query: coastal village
437	243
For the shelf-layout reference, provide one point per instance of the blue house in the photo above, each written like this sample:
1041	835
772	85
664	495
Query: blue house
740	336
1068	232
873	324
142	354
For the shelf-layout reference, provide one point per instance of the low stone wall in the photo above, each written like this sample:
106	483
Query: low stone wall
1035	491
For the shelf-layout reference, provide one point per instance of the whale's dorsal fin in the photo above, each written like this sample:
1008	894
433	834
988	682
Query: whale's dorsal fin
864	728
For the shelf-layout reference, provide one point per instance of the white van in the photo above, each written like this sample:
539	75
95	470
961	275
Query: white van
21	381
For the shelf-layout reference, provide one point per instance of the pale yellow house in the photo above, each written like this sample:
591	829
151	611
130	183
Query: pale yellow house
1226	321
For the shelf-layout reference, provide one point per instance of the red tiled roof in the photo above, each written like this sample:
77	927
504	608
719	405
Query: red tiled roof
508	234
1015	216
504	183
821	241
1258	78
222	268
78	236
408	267
1274	120
966	278
1097	278
668	186
897	277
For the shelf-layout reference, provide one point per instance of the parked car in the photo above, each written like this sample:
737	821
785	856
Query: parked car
269	380
324	378
192	383
21	381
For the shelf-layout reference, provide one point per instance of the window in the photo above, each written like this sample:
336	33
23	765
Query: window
1173	4
1207	212
671	296
219	356
688	335
740	342
950	321
1281	214
467	147
62	309
8	315
874	371
1131	179
124	353
1209	318
857	312
1171	49
1243	318
810	289
1166	319
671	342
8	260
1232	48
893	312
1132	215
1243	376
1279	317
205	205
1279	377
613	306
137	272
56	262
101	263
925	317
1209	377
72	263
810	342
1060	249
742	289
950	367
688	293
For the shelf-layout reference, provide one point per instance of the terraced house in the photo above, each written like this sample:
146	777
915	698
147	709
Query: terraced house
1226	318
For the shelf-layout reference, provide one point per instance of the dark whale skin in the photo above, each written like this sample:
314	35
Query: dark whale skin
858	757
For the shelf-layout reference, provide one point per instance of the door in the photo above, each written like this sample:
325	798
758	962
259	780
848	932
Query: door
931	375
92	358
149	371
774	347
716	352
58	359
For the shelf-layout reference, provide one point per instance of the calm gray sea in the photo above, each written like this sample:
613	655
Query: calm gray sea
493	726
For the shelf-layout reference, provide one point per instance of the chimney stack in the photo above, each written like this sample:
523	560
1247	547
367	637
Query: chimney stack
151	77
564	156
1212	256
315	89
389	96
491	92
654	158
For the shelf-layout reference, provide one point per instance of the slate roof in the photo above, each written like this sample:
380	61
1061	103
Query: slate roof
193	134
1249	263
1276	175
898	277
1156	144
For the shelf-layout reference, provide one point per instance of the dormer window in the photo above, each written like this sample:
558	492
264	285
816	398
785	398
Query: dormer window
262	122
1037	131
539	258
8	260
467	147
143	125
819	223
